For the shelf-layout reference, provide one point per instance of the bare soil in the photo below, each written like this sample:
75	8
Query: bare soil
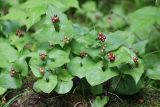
148	97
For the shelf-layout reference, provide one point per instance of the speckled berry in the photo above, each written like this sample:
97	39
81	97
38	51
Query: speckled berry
111	57
55	19
42	56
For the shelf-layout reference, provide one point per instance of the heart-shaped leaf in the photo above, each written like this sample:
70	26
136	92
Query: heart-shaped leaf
100	101
135	71
21	66
126	85
97	76
47	86
64	75
58	57
79	67
122	56
2	90
9	82
64	87
7	53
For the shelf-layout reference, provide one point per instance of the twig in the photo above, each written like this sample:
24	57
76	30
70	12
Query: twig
90	103
77	104
116	96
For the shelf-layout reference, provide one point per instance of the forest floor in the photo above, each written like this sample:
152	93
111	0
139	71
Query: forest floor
147	97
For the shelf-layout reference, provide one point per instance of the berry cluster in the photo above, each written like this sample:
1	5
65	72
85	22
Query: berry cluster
83	54
41	70
12	72
103	47
42	56
19	33
66	40
101	37
55	19
135	59
111	57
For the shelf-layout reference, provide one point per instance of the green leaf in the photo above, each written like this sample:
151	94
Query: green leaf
75	67
126	85
65	26
44	35
34	10
97	90
151	63
15	14
34	3
53	10
116	39
7	53
140	46
100	101
118	18
94	52
35	63
19	43
97	76
154	73
45	86
9	27
89	39
143	18
33	19
58	57
3	61
122	56
151	60
35	70
89	6
79	67
9	82
70	3
81	30
83	45
21	66
77	47
2	90
64	75
64	87
135	72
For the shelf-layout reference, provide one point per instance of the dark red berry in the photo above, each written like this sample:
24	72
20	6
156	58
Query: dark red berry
100	34
42	56
135	59
111	57
101	37
103	40
104	37
55	19
83	54
19	33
